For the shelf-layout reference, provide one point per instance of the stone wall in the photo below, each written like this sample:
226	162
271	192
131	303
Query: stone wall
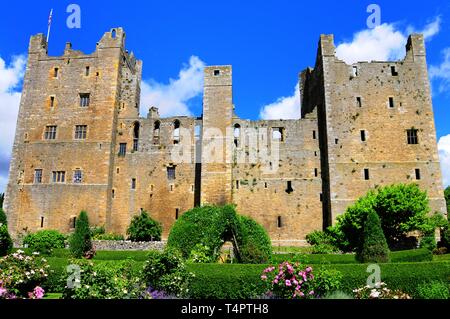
128	245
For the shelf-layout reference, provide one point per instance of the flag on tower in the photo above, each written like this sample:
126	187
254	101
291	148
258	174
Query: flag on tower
49	24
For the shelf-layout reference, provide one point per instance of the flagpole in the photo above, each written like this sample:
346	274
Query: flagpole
49	24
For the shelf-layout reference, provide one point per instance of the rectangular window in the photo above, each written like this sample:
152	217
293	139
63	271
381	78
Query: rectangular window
216	72
316	172
278	134
74	222
78	176
366	174
133	183
50	132
412	136
42	222
85	99
37	176
177	212
171	173
135	145
279	222
289	188
394	71
359	101
80	132
122	149
354	70
336	141
55	72
391	102
113	193
58	177
418	177
363	135
237	184
52	101
314	135
87	71
265	185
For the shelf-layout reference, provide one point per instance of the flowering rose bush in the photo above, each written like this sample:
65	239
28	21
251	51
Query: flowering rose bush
380	291
21	276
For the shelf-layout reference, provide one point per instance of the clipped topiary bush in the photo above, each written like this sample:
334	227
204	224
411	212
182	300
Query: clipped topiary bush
212	226
6	243
80	242
433	290
144	228
374	247
45	241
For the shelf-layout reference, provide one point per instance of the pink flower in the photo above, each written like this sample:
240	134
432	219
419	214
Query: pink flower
3	291
38	293
288	283
275	281
264	277
309	269
302	294
311	292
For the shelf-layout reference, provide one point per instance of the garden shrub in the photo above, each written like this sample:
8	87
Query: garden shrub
97	230
340	295
212	226
104	281
80	242
45	241
374	247
144	228
433	290
428	242
200	254
22	276
445	236
324	249
401	209
3	219
108	237
6	243
166	271
379	291
447	198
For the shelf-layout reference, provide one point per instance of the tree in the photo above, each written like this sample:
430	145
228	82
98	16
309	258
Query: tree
401	209
3	219
80	242
447	198
374	246
144	228
2	198
6	243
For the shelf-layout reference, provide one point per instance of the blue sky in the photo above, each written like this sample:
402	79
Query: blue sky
267	42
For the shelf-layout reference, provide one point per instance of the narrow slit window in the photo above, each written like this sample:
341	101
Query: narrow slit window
359	101
418	176
265	185
42	222
394	71
113	193
316	172
74	222
177	213
363	136
391	102
176	132
237	184
52	101
289	188
55	72
87	71
366	174
336	141
314	135
279	222
133	183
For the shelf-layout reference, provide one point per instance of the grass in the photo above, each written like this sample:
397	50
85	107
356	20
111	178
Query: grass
53	296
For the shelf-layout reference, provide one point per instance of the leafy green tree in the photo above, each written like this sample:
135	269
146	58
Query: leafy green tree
374	246
80	242
6	243
447	198
2	198
3	219
401	209
144	228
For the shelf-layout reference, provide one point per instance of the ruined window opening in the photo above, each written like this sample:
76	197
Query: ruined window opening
136	128
55	72
314	135
156	131
391	102
366	174
42	222
113	33
289	188
394	71
315	153
316	172
80	132
363	135
418	177
413	137
78	176
359	101
336	141
50	132
237	134
85	99
176	132
74	222
118	170
177	212
278	134
321	197
58	177
87	71
171	173
38	176
279	222
237	184
171	187
355	70
216	72
122	149
265	185
52	101
113	193
133	183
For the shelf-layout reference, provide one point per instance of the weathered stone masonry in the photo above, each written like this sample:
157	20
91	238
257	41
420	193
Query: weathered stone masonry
104	158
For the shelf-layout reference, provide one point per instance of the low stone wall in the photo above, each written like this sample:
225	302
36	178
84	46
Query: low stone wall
128	245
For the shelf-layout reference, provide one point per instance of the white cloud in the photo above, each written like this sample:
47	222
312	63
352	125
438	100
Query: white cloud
284	107
10	77
172	98
444	155
442	72
383	43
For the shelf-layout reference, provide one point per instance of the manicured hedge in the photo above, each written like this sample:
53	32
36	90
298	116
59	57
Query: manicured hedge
216	281
121	255
415	255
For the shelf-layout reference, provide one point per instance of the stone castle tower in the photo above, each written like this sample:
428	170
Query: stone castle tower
80	143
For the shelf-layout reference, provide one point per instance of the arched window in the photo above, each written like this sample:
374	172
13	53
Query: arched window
113	33
237	134
156	131
136	128
176	131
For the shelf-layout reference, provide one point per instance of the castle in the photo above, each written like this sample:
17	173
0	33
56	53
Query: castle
80	143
